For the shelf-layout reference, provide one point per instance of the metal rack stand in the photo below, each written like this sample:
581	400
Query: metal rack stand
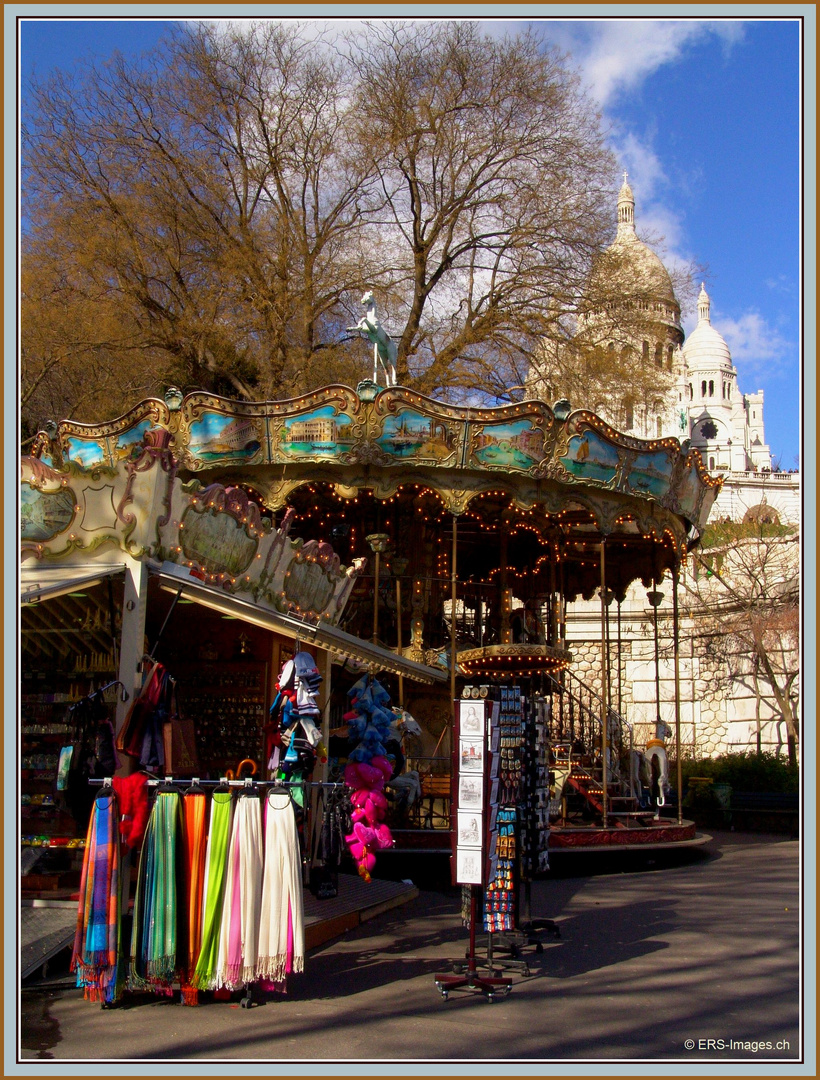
493	987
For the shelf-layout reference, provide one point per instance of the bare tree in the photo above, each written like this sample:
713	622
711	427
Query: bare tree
746	593
217	209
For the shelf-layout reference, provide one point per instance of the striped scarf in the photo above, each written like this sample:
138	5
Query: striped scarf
96	952
154	935
239	930
195	810
204	975
281	934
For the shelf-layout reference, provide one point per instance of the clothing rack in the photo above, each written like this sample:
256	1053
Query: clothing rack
101	690
244	783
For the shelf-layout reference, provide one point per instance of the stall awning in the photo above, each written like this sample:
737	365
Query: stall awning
322	635
46	582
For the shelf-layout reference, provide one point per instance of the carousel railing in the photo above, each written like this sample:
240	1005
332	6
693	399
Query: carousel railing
576	717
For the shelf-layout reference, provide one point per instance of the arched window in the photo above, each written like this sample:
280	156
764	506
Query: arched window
703	388
646	350
659	354
711	464
711	388
670	352
691	392
659	423
629	416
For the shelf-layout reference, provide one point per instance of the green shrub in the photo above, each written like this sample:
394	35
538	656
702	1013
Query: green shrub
744	771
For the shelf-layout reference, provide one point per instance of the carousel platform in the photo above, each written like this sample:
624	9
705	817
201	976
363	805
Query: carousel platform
568	838
590	838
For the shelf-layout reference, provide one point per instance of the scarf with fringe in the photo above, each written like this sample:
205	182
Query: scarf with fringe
281	933
239	931
195	807
204	975
96	953
154	937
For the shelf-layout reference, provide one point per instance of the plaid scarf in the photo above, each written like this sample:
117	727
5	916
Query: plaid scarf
96	952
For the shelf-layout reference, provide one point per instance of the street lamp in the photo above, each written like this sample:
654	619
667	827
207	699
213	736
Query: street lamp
655	598
399	565
378	543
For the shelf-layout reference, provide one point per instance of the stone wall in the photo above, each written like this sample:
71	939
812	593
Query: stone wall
718	713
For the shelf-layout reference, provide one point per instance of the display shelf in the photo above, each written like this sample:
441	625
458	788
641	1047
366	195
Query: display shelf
227	703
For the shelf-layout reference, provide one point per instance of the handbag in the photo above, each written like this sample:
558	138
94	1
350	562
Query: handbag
132	733
179	740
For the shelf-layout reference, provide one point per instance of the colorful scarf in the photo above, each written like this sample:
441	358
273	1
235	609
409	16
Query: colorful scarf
281	933
204	976
154	936
96	952
239	930
194	811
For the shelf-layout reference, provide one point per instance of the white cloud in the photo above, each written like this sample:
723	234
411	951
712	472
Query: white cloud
754	344
617	55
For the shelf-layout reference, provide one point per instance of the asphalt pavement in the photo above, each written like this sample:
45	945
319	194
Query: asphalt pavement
689	957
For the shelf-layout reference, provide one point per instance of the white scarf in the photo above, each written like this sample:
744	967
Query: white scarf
281	891
239	929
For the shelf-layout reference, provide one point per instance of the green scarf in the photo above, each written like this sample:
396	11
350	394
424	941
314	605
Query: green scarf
217	860
154	933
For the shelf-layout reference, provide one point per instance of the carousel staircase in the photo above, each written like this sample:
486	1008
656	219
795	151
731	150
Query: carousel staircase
622	811
578	710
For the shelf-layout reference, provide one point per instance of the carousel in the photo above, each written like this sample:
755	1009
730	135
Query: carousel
435	547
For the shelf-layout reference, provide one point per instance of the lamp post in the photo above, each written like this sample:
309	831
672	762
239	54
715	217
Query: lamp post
378	543
655	598
399	565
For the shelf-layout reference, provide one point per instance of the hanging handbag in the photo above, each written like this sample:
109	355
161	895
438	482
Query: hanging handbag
179	739
132	733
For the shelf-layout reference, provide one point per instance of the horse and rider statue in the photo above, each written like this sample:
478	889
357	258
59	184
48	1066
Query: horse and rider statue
384	348
649	770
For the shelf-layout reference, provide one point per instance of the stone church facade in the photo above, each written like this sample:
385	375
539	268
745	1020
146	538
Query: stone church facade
699	399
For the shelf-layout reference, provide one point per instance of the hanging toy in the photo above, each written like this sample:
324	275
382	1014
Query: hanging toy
367	772
292	724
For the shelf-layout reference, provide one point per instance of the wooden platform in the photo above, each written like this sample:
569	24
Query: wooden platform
356	902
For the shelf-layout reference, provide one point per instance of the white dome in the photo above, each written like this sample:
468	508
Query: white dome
705	347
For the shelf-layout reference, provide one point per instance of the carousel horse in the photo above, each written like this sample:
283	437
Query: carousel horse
649	769
384	348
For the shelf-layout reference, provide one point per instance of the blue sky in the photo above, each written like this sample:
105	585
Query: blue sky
703	114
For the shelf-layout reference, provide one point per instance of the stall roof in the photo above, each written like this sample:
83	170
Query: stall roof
47	582
323	635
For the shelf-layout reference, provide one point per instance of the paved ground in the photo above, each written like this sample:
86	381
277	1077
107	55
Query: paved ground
697	946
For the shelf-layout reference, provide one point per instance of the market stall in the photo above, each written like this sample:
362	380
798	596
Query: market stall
427	548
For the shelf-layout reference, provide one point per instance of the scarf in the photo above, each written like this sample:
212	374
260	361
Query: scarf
96	953
281	933
204	975
132	796
154	936
239	930
194	813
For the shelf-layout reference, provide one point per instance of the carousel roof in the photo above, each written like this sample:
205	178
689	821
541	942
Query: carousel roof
533	490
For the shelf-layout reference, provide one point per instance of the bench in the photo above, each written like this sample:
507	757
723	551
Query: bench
779	810
434	804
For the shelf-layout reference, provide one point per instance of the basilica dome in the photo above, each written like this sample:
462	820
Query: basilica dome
705	346
630	267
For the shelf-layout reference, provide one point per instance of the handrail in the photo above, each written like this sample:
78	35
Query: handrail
583	707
